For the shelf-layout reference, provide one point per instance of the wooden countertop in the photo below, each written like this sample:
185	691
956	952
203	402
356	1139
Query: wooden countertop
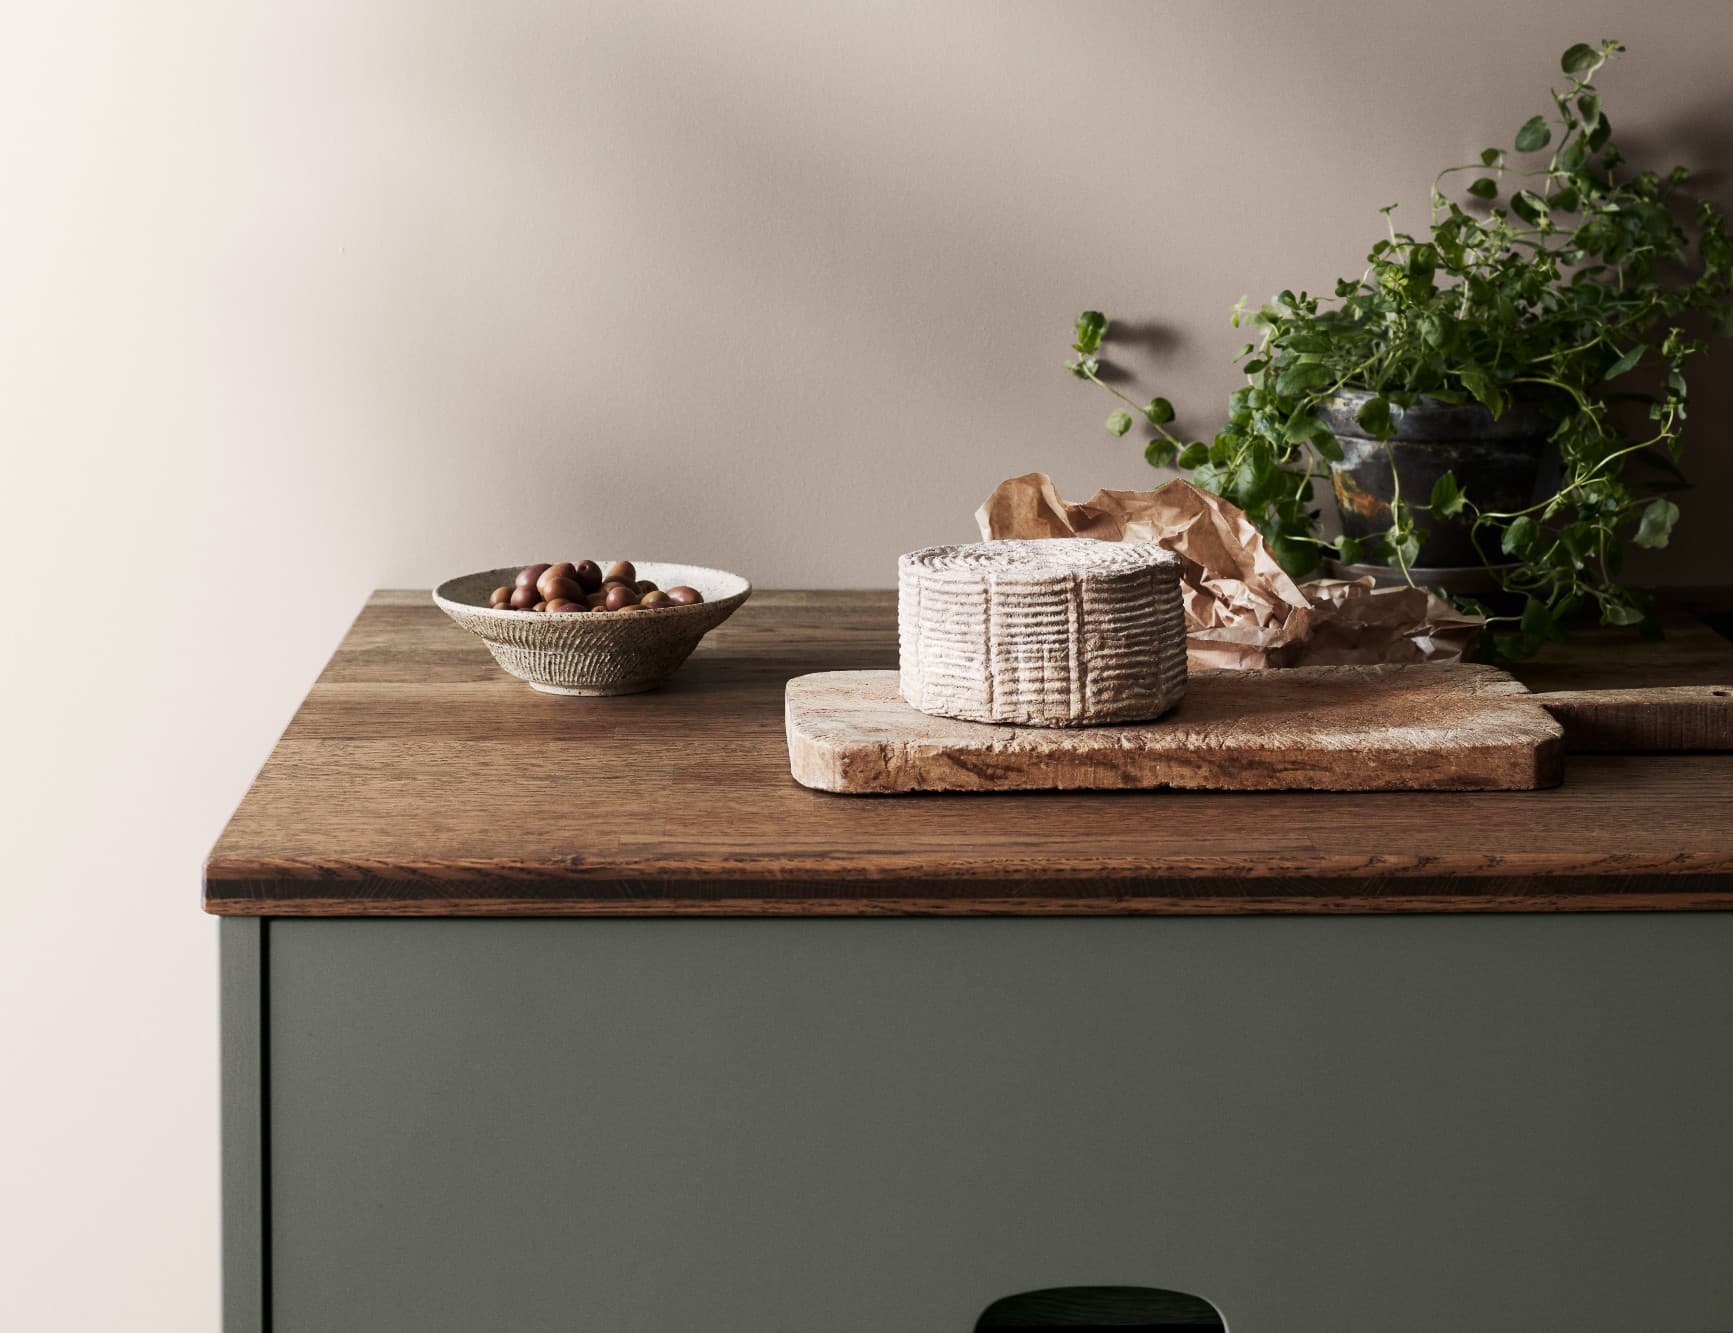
418	779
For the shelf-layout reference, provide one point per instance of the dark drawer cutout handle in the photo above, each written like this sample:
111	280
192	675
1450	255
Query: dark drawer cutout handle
1114	1309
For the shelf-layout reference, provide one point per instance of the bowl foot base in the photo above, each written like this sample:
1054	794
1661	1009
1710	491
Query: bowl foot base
592	692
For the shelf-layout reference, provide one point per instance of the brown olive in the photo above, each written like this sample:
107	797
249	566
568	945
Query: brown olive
499	597
684	596
527	576
559	590
539	606
620	596
564	572
524	596
656	598
589	575
564	606
635	606
621	571
644	585
596	600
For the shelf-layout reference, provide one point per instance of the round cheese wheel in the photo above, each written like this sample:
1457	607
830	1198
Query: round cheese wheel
1061	632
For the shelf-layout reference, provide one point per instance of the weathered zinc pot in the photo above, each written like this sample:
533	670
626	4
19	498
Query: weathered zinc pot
1496	461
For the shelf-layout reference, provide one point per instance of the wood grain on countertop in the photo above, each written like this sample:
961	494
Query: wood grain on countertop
419	779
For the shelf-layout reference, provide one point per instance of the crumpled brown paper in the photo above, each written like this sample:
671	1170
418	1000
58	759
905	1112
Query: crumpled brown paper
1241	609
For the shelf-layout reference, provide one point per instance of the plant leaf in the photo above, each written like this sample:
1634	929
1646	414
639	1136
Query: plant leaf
1656	529
1119	423
1302	378
1297	558
1491	157
1349	551
1485	392
1447	497
1626	362
1091	328
1248	489
1533	135
1325	442
1374	417
1159	453
1484	188
1519	537
1195	454
1579	58
1159	411
1528	206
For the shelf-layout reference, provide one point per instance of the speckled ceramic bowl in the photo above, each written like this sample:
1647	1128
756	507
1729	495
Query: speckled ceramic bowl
598	653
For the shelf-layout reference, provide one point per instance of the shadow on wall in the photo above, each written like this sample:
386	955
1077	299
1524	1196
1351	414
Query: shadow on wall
1103	1308
1703	141
1148	339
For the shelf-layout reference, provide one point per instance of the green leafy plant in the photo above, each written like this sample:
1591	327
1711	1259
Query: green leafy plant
1567	278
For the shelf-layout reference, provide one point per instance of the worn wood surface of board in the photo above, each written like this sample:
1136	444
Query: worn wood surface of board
1652	717
1615	690
1330	728
419	779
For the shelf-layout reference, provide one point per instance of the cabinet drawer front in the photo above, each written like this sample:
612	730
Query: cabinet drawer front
883	1126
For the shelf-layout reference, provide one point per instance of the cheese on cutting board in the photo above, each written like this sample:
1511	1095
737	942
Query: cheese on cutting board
1059	632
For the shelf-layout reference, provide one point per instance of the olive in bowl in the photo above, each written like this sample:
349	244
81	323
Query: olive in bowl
574	646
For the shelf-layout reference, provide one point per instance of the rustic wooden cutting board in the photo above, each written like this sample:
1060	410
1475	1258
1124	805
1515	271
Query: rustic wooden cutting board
1346	728
1617	691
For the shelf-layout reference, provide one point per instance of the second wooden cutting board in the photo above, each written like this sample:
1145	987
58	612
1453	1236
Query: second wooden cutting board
1348	728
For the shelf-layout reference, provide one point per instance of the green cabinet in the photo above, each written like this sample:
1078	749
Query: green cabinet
1390	1124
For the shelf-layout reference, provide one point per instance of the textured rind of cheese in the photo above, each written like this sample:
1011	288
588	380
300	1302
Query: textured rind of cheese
1059	632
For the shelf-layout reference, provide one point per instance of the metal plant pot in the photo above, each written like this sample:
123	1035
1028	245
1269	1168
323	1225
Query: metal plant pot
1496	460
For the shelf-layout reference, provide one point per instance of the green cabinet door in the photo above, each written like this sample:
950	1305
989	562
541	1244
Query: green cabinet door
1319	1124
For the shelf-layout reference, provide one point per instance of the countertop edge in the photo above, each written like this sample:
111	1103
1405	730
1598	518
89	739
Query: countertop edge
1335	895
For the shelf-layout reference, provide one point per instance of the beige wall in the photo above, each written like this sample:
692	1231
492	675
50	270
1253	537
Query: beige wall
300	299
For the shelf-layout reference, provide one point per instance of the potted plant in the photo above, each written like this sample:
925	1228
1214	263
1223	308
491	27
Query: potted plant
1505	392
